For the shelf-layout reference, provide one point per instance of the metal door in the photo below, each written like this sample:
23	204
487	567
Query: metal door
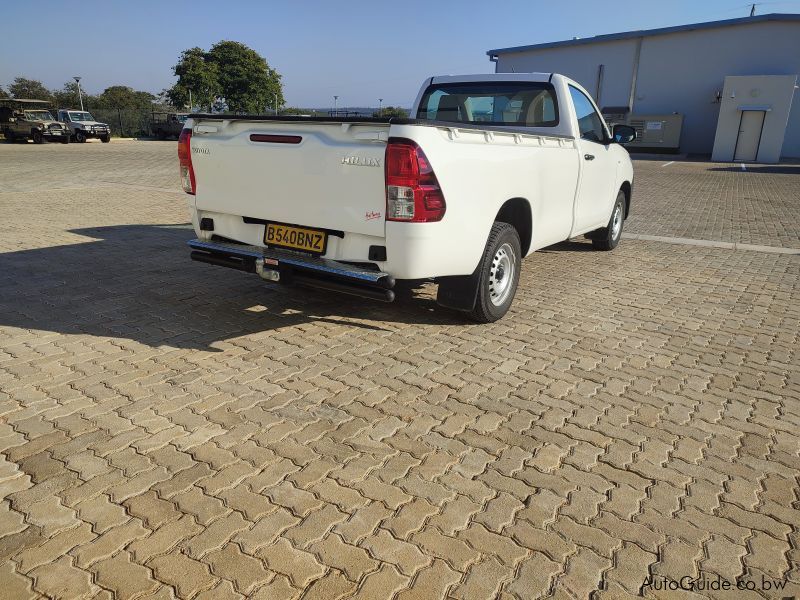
749	138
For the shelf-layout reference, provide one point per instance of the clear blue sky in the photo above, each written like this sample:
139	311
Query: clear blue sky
359	50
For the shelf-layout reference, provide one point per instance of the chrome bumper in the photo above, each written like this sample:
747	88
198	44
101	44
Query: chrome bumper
284	266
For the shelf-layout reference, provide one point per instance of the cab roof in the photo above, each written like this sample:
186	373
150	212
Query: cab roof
534	77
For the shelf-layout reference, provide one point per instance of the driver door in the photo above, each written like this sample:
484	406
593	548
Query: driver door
596	196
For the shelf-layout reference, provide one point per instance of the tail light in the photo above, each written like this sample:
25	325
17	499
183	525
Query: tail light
185	160
412	190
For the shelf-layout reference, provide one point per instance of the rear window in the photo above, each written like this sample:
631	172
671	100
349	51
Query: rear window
523	103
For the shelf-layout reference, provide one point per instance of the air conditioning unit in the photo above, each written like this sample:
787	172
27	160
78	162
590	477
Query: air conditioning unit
657	131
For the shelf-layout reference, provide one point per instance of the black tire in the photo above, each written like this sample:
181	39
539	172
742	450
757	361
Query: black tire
105	139
65	139
9	135
160	134
496	286
80	137
607	238
38	138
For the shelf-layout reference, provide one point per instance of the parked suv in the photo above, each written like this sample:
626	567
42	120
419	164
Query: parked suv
83	126
29	119
164	125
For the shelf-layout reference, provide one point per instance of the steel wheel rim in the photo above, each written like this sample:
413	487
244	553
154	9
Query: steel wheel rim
616	222
501	275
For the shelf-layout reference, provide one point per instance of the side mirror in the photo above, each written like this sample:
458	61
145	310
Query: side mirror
624	134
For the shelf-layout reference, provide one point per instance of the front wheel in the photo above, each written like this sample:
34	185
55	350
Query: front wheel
38	138
65	139
9	136
608	237
105	139
498	274
80	137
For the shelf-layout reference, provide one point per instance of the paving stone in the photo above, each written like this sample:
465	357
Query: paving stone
187	575
432	582
124	577
351	560
63	581
300	567
245	571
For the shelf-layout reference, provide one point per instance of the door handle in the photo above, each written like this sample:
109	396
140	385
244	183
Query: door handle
588	156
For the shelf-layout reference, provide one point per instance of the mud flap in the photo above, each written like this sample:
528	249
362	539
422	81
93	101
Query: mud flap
458	292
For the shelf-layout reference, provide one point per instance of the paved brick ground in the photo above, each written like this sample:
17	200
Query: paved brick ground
168	429
718	201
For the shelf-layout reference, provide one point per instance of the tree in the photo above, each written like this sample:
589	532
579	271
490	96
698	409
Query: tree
3	93
122	96
67	97
29	88
196	74
230	74
391	111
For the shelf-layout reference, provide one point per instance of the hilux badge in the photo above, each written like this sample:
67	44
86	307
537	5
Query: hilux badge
361	161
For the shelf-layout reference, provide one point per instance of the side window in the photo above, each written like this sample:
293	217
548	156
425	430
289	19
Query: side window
589	122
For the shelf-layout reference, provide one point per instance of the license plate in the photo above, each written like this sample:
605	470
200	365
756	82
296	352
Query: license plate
296	238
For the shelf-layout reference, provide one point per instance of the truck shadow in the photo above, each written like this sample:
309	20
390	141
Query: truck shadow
137	282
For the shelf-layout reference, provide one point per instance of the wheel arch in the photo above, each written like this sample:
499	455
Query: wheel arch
517	213
627	189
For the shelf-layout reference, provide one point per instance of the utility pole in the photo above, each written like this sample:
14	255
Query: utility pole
335	106
80	95
753	10
276	104
380	107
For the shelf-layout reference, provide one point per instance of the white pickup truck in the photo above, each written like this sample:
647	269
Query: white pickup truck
488	169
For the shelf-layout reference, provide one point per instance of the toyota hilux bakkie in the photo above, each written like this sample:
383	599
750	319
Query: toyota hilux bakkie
488	169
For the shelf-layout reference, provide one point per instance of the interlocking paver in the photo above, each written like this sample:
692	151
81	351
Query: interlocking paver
166	437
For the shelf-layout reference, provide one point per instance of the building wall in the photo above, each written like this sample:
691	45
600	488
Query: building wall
678	72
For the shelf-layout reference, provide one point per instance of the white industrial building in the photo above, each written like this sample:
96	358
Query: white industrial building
723	88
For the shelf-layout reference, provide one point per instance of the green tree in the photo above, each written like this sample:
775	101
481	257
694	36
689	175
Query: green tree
391	111
29	88
122	96
196	74
231	75
67	97
246	81
3	93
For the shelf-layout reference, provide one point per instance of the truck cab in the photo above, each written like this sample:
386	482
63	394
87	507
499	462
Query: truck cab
83	126
24	119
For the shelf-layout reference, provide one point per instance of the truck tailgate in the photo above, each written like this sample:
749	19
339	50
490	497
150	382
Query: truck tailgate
326	175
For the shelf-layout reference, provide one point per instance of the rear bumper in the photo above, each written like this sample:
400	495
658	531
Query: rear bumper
282	266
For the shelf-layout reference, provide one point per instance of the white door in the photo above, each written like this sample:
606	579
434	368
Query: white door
749	135
595	197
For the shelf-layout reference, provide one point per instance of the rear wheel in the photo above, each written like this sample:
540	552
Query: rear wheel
608	237
80	136
498	274
38	138
65	139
